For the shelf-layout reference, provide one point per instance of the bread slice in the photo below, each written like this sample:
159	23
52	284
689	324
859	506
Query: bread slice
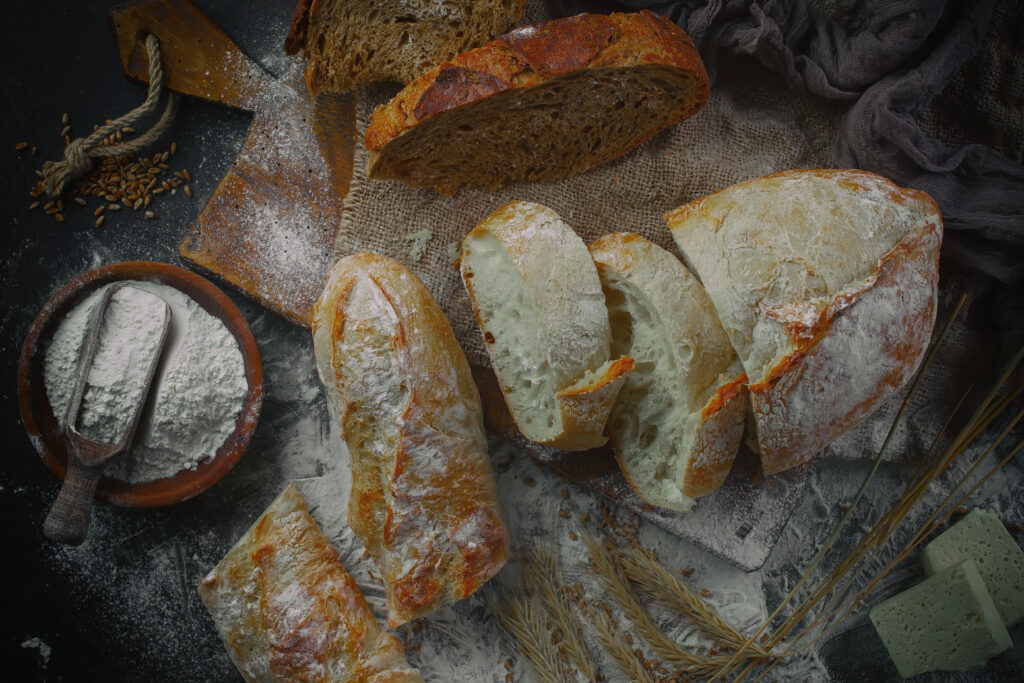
539	103
286	608
826	283
424	501
678	421
355	42
539	303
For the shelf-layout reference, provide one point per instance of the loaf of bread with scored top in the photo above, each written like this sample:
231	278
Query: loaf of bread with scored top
424	501
677	423
541	102
355	42
826	283
539	303
287	610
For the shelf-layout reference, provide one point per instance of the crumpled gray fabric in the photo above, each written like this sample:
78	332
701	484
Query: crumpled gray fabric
886	61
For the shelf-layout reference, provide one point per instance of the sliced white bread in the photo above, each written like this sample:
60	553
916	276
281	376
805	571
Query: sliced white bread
826	283
539	303
678	421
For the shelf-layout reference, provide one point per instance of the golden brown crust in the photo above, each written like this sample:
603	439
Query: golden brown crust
286	608
424	501
530	55
296	37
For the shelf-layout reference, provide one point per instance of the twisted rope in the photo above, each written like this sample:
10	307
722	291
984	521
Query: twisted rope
81	152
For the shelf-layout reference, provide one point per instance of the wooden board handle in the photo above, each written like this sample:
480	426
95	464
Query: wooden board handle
199	58
68	520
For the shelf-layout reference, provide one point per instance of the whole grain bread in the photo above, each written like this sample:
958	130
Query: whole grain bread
541	102
354	42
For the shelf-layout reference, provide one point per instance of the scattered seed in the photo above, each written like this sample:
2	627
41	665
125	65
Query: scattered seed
98	210
65	131
687	571
158	190
188	190
114	207
33	205
35	150
565	494
164	157
146	201
110	198
65	119
79	200
585	517
705	593
564	514
59	217
100	221
188	176
49	205
150	214
20	146
138	204
174	148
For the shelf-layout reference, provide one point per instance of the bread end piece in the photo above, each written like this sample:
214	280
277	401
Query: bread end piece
286	608
826	282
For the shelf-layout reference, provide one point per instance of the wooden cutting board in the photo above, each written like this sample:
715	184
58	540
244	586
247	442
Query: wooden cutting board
269	230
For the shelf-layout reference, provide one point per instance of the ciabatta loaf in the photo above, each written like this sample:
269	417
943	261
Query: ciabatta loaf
539	303
353	42
287	610
678	420
424	501
539	103
826	283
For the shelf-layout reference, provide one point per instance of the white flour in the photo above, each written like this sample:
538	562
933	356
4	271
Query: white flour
196	395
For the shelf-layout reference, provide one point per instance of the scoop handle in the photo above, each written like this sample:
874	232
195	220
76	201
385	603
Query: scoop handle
68	519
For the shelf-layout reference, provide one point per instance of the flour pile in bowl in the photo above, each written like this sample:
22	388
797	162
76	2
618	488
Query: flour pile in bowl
197	392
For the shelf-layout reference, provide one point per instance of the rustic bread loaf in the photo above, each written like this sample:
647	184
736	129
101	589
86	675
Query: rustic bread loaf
678	420
354	42
539	103
424	501
825	282
539	303
287	610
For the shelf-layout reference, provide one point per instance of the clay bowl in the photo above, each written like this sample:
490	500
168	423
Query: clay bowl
44	429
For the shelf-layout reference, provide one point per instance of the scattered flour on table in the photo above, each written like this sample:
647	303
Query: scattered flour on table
38	644
196	395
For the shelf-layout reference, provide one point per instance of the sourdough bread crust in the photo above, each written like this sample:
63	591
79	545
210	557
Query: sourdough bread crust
286	608
857	327
531	56
424	500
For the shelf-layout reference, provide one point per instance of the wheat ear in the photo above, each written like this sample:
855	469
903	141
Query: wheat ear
525	625
546	577
613	644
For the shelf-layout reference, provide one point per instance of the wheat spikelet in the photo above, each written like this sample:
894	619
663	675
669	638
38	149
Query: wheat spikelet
546	577
525	625
613	644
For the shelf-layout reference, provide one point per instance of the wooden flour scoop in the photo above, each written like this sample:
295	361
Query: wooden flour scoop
269	227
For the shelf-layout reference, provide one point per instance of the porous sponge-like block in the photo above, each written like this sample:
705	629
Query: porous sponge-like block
947	622
981	537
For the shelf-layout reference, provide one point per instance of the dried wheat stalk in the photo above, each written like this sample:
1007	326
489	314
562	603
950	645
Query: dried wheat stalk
525	625
546	576
604	627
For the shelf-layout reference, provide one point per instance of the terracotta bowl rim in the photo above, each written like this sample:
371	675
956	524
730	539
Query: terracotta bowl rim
43	428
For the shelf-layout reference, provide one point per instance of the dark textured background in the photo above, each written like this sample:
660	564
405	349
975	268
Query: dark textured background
57	57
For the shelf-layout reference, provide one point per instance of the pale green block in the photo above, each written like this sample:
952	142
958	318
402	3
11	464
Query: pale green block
980	536
947	622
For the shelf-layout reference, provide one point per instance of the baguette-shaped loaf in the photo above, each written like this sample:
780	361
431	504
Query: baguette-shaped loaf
539	303
678	420
424	500
826	283
354	42
539	103
287	610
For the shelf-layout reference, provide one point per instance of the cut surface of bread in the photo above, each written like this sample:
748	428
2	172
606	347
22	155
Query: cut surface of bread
538	300
354	42
287	610
826	283
678	421
424	501
539	103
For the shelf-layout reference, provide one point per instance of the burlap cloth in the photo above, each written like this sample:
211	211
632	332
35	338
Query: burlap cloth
793	86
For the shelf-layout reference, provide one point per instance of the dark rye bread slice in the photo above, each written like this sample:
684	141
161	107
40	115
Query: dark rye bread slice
354	42
541	102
